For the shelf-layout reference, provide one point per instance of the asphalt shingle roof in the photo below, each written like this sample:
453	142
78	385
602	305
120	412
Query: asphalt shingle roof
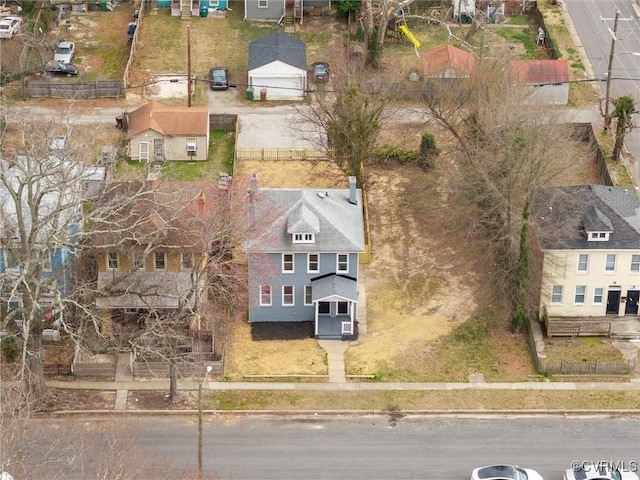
170	121
562	216
340	224
334	285
277	46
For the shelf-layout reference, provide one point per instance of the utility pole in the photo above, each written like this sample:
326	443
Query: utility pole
189	65
607	115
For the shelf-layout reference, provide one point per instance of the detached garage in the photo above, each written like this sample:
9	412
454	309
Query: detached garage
278	64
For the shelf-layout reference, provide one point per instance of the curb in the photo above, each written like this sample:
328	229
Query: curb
349	413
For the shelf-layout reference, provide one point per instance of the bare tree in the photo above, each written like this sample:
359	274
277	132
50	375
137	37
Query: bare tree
507	148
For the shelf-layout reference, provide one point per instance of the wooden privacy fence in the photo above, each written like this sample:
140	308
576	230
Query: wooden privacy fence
279	153
97	369
74	90
223	121
593	367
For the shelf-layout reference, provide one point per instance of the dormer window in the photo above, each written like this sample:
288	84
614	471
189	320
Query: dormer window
303	238
598	236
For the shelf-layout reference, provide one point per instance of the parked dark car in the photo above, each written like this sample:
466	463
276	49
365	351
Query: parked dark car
320	72
219	78
56	67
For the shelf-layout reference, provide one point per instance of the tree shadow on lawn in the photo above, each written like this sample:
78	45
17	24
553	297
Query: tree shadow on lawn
282	330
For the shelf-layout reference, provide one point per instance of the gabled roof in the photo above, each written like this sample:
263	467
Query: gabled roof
173	215
539	71
340	224
169	121
562	215
331	286
278	46
445	57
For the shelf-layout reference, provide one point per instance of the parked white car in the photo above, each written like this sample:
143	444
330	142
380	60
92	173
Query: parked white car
504	472
65	51
10	26
602	471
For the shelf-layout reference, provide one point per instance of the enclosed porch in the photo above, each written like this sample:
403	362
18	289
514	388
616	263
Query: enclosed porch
335	301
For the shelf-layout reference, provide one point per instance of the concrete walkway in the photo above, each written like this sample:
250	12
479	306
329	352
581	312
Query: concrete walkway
335	359
124	375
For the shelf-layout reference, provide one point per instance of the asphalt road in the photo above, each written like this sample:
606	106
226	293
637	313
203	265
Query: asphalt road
382	447
594	23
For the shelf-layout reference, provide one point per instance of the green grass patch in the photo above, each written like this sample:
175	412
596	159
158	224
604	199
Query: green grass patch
523	36
583	349
129	170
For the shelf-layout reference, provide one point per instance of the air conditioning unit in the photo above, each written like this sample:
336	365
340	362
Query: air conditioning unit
191	147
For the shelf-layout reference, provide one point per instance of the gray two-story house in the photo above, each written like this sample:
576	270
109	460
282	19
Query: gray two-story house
277	10
303	257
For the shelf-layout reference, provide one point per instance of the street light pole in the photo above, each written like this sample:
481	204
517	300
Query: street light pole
200	386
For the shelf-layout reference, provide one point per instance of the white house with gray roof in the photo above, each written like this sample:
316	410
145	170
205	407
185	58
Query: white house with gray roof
278	65
590	239
303	259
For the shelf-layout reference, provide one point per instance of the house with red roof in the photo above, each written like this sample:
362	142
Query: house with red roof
547	79
157	133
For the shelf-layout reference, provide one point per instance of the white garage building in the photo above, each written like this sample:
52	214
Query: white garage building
278	64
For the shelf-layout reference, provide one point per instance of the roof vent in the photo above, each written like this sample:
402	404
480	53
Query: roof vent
320	194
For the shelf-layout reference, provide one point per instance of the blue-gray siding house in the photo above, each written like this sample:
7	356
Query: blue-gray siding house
303	260
276	10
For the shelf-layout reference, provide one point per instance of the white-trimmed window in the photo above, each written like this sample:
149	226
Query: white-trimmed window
288	298
598	294
342	263
556	294
347	328
192	144
635	263
303	238
160	260
343	308
581	295
112	260
598	236
313	263
187	260
265	295
46	261
583	262
308	295
324	308
610	263
287	263
263	3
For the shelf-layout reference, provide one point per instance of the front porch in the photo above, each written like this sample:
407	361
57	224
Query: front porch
340	327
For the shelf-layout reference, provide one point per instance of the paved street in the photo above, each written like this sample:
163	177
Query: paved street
376	446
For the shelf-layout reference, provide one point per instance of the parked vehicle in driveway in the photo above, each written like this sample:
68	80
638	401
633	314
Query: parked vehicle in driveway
320	72
56	67
504	472
65	51
602	471
10	26
219	78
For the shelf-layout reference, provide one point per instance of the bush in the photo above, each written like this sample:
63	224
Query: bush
388	152
10	349
428	152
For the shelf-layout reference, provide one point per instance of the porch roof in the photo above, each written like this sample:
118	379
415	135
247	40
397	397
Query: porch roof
334	286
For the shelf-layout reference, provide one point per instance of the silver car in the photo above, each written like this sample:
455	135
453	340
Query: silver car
504	472
65	51
600	471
